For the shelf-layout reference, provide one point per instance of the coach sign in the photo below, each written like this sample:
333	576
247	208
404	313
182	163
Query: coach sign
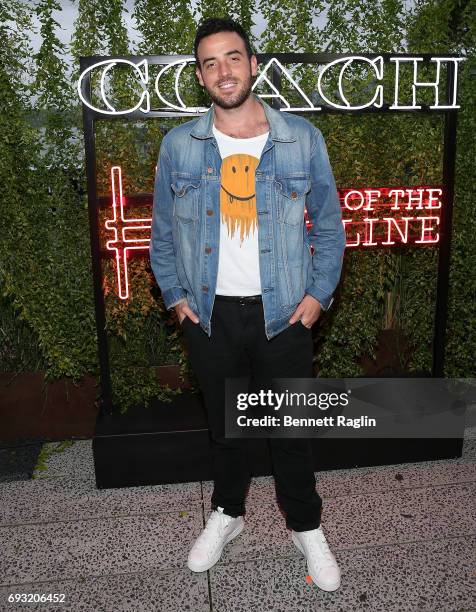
345	67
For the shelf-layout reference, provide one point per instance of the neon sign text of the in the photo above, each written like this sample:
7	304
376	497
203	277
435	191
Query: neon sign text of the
363	230
264	77
411	198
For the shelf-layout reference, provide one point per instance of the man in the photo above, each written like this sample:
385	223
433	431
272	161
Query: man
230	251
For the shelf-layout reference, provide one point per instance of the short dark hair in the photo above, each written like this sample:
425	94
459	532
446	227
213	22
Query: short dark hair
213	25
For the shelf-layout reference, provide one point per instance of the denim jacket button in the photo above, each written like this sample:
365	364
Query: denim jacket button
209	212
293	195
208	250
209	170
204	288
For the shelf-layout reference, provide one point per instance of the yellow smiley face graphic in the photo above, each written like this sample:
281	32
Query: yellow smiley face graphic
237	194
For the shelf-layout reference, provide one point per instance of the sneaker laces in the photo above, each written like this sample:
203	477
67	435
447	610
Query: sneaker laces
319	546
216	524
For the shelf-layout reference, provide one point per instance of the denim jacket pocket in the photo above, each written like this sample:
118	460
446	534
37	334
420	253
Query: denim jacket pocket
186	199
290	201
291	192
185	230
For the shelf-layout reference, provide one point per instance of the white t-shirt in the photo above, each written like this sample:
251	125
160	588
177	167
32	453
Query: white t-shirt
238	261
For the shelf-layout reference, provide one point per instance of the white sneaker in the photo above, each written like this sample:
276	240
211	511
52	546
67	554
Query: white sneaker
219	530
321	563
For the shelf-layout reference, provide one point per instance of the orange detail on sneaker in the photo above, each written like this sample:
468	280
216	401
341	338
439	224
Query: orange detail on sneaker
321	563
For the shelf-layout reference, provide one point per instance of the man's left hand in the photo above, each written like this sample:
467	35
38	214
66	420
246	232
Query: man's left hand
308	311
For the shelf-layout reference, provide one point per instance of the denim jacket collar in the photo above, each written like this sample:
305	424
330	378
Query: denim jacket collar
279	129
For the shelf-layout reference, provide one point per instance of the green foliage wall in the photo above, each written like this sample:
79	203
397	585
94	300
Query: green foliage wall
45	266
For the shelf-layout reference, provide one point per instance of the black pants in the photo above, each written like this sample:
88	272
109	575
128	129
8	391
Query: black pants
238	348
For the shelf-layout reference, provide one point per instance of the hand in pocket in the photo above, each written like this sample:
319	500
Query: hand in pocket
183	310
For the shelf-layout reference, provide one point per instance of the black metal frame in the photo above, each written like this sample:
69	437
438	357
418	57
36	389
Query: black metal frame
445	230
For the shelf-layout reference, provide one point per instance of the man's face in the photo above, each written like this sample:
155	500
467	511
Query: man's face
225	70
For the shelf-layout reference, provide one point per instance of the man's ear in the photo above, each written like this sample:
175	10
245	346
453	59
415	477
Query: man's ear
198	72
254	65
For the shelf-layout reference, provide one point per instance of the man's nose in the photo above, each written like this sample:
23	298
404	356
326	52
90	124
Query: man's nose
224	70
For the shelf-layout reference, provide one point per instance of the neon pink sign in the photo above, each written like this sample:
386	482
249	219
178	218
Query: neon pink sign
388	216
372	217
127	233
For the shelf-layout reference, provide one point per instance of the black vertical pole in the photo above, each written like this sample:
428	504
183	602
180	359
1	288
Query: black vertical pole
276	80
446	224
99	305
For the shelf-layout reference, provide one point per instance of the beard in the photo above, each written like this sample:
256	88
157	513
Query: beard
235	100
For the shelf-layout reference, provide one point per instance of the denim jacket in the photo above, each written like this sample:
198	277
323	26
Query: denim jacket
293	173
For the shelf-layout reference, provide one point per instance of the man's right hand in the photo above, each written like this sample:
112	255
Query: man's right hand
182	309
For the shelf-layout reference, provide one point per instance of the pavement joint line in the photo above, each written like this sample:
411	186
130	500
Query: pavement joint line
71	477
209	582
97	518
271	486
402	489
198	502
400	466
352	548
87	479
356	470
298	555
397	489
376	468
83	577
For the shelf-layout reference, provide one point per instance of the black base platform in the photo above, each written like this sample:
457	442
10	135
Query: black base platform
169	443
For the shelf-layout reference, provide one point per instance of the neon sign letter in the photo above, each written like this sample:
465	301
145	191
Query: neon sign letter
416	83
108	64
377	65
123	244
